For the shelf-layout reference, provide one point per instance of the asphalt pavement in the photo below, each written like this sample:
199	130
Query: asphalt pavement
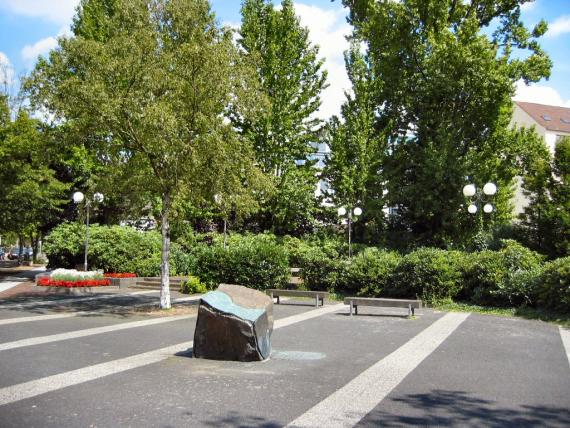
93	363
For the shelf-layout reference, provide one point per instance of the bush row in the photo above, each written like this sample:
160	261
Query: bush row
511	276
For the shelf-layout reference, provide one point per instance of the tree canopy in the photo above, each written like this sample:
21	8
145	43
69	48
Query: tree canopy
443	97
153	86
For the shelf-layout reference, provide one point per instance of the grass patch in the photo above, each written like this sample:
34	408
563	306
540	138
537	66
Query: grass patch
522	312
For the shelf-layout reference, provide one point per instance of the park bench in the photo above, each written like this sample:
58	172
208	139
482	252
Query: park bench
355	302
317	295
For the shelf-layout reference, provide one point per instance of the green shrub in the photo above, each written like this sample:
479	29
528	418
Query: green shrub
508	277
192	285
430	273
368	273
255	263
111	248
320	271
554	288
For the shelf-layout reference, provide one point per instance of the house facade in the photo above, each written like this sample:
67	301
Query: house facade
550	122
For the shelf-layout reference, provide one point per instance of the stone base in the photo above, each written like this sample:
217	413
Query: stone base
75	291
123	282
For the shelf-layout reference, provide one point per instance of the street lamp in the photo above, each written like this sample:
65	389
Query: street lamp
470	191
342	211
218	199
79	197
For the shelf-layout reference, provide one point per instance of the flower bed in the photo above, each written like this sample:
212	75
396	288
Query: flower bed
73	279
120	275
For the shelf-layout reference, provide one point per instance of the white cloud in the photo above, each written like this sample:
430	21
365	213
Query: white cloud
57	11
526	7
6	72
539	94
561	25
328	29
31	52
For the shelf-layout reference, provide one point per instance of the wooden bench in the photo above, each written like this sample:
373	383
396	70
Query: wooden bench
354	302
317	295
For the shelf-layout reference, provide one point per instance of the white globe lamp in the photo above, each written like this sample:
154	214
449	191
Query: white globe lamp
78	197
342	211
357	211
469	190
488	208
472	209
490	189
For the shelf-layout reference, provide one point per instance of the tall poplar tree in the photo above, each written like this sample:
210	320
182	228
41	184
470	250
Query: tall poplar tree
154	89
286	134
443	94
356	149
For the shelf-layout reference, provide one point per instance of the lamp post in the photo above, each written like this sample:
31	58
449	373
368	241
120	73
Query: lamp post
342	211
477	197
218	199
79	197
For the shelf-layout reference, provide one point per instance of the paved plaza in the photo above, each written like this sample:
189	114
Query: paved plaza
94	361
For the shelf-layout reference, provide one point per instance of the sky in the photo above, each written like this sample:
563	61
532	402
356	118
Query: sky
29	28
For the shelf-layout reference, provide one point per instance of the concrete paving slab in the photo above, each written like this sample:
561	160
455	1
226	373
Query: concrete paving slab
494	372
191	392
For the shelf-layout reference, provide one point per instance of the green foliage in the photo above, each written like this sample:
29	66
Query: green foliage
112	249
547	217
192	285
505	277
554	290
32	196
319	271
369	273
286	132
429	273
442	79
152	88
258	263
356	150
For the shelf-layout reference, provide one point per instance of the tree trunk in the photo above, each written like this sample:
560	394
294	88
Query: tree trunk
164	266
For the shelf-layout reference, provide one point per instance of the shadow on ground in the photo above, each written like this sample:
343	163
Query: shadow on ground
458	408
117	305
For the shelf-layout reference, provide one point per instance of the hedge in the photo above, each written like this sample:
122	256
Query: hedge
258	263
111	248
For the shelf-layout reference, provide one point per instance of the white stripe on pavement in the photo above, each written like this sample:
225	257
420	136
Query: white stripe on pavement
22	391
88	332
44	317
348	405
7	285
74	377
565	335
73	300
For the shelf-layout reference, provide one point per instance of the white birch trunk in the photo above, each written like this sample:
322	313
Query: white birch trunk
164	265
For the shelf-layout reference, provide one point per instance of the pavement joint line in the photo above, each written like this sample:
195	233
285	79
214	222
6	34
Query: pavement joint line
39	340
74	300
33	388
350	404
565	336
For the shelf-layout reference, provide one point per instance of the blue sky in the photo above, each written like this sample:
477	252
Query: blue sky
29	28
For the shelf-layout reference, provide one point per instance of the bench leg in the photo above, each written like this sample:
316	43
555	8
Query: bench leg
351	306
317	301
410	311
277	299
355	309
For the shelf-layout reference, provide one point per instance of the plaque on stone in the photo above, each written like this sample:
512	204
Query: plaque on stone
235	324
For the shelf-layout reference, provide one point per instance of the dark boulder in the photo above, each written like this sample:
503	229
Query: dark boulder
235	324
